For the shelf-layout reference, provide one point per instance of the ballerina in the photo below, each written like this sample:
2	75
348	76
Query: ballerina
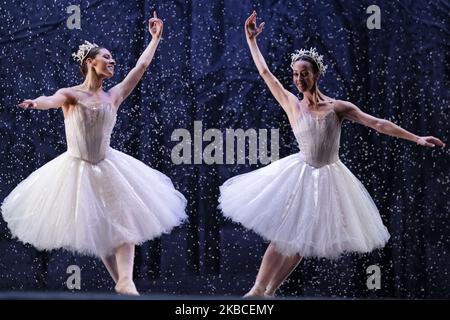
308	204
93	199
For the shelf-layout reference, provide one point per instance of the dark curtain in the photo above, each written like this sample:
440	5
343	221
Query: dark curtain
203	71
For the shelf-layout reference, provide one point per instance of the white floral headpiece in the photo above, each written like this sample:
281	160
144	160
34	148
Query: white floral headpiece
83	51
313	54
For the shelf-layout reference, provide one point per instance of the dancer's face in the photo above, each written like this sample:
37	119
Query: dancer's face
303	76
103	63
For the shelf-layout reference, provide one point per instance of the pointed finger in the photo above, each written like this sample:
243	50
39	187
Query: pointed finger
154	14
435	140
247	21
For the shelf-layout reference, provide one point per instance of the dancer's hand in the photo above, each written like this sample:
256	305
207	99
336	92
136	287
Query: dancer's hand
430	141
251	30
155	26
28	104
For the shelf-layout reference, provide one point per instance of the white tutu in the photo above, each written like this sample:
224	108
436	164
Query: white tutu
321	210
92	207
301	209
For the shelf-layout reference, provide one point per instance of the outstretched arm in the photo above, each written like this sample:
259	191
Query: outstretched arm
122	90
352	112
60	98
285	98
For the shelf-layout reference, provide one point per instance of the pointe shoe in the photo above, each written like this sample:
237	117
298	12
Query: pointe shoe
269	293
126	287
255	292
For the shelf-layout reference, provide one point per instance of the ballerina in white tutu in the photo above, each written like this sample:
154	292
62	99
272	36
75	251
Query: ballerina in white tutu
93	199
307	204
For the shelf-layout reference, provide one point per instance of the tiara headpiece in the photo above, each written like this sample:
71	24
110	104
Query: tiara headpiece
313	54
83	51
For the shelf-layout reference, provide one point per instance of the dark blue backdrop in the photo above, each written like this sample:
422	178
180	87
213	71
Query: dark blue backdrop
203	71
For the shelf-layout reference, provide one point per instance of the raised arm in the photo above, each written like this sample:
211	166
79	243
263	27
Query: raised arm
60	98
122	90
349	111
285	98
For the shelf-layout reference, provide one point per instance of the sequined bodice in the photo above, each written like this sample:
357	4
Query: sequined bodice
88	131
318	137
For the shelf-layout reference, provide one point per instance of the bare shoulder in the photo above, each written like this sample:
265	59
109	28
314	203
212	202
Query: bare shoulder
348	110
293	101
70	93
72	96
292	97
115	94
68	90
344	108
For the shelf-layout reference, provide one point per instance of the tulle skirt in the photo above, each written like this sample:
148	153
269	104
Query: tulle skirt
314	212
93	208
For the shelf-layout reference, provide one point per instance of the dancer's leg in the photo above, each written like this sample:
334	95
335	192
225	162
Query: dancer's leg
111	265
270	265
288	266
125	261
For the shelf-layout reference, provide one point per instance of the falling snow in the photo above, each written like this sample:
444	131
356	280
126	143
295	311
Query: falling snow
203	71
